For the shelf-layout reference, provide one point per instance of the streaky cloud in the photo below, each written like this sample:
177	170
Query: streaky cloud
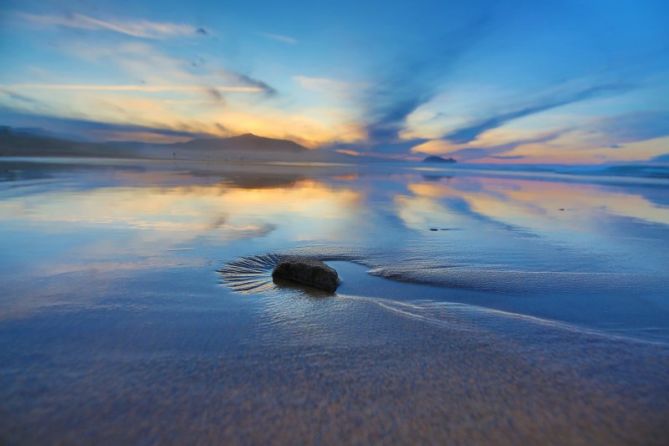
634	127
508	157
664	158
136	28
19	97
497	151
214	94
249	82
470	132
409	81
88	129
280	38
325	85
255	87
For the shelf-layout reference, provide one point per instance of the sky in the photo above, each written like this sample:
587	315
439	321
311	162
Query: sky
568	82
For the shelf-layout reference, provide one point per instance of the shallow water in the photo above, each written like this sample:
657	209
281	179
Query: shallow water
136	303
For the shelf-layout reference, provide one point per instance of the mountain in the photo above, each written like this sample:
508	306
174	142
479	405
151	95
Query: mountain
248	141
27	142
247	147
438	159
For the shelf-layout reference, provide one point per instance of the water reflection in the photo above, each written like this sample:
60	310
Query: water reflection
472	232
221	210
599	224
523	202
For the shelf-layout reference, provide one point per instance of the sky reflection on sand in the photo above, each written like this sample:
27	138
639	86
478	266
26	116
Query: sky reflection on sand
593	219
217	209
115	216
111	288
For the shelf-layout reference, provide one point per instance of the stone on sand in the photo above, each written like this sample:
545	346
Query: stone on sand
307	271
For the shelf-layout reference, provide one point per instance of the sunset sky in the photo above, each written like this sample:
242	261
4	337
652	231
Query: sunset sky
480	80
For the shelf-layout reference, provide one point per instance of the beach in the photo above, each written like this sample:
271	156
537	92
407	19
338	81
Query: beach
475	307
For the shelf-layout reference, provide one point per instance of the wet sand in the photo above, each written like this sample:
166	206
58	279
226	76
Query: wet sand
118	328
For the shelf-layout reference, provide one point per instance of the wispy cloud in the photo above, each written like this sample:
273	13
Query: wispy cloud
83	129
327	86
280	38
634	127
664	158
599	135
413	78
135	28
137	88
498	151
348	152
472	131
17	96
250	82
214	94
161	72
477	151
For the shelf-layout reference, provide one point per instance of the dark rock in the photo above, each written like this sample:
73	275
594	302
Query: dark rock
434	229
307	271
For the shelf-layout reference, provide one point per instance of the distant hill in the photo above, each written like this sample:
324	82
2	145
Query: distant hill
25	143
247	147
438	159
248	141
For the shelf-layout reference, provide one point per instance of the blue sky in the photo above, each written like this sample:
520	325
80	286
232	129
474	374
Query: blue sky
485	81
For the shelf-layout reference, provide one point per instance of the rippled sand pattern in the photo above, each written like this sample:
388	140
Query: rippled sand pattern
250	275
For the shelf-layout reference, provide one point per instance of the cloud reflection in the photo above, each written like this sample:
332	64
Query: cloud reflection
221	211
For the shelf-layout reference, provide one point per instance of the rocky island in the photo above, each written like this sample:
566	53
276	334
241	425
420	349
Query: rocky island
438	159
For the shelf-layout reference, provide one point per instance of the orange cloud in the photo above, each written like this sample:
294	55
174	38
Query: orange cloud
434	147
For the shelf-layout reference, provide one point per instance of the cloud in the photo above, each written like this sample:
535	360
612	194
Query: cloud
84	129
156	89
472	131
214	94
507	157
634	127
135	28
496	151
160	72
433	147
250	82
326	85
18	97
136	88
339	96
412	79
13	99
348	152
661	158
280	38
